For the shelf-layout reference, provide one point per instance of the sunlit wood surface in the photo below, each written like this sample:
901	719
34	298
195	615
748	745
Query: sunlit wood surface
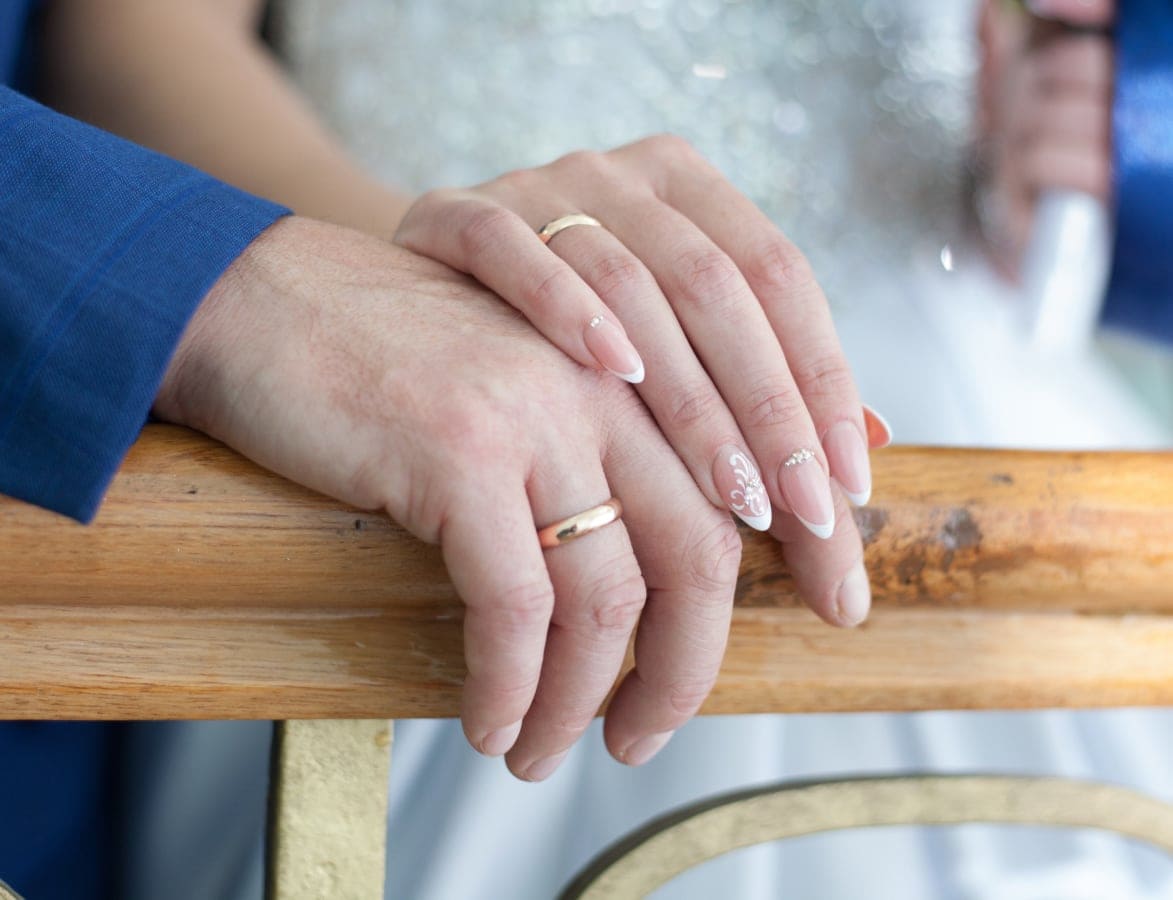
210	588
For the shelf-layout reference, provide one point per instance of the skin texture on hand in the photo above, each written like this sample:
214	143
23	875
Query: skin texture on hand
767	380
744	373
391	382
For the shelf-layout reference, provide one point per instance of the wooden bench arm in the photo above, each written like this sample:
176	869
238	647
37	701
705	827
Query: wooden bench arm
209	588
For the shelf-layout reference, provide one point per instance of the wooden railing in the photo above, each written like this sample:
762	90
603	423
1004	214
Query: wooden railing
209	588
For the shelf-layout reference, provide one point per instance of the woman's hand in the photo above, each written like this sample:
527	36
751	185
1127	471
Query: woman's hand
688	291
1044	113
392	382
735	407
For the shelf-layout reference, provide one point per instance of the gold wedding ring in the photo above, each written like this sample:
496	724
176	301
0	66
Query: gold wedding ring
550	229
585	522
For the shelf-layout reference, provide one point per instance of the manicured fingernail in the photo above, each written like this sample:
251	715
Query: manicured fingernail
808	492
848	457
613	350
740	486
645	748
854	598
544	768
879	431
499	741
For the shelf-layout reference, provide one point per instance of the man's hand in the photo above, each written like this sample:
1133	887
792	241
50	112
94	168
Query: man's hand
745	376
391	382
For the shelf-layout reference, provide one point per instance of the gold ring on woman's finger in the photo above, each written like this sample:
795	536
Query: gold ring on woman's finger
550	229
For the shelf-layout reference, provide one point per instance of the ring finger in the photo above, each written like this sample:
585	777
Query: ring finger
599	594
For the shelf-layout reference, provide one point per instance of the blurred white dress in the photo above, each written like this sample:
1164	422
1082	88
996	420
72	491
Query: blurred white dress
848	123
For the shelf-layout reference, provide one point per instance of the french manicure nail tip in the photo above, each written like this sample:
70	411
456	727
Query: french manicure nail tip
824	531
614	352
807	491
739	481
878	429
861	498
847	454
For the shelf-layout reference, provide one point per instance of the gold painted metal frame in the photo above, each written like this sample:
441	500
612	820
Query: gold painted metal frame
654	855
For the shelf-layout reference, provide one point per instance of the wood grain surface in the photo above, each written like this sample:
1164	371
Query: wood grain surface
208	588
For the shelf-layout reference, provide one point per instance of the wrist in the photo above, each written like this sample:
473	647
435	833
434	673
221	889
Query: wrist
198	378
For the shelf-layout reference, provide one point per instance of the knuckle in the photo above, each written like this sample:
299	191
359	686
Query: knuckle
484	227
551	288
614	602
714	557
422	211
609	599
467	429
669	146
617	274
519	182
581	163
614	404
693	407
435	198
774	406
709	276
825	375
780	267
522	606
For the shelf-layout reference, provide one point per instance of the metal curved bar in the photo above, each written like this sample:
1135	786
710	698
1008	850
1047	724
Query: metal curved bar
648	858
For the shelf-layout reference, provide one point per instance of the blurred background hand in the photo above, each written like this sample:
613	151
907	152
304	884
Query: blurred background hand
1044	113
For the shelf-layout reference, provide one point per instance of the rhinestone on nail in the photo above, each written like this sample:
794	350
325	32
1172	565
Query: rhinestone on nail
798	457
595	321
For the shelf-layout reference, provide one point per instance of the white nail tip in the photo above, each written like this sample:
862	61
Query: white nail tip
757	523
823	531
859	499
881	420
633	377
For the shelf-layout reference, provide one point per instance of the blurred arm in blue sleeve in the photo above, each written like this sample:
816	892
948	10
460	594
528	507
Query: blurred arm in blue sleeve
106	249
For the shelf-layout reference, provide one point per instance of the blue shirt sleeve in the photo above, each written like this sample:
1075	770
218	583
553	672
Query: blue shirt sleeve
106	249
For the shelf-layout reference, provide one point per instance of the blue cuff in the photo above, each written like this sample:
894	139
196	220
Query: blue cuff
106	249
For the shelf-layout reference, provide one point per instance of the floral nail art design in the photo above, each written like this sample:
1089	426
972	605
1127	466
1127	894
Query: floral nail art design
749	497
